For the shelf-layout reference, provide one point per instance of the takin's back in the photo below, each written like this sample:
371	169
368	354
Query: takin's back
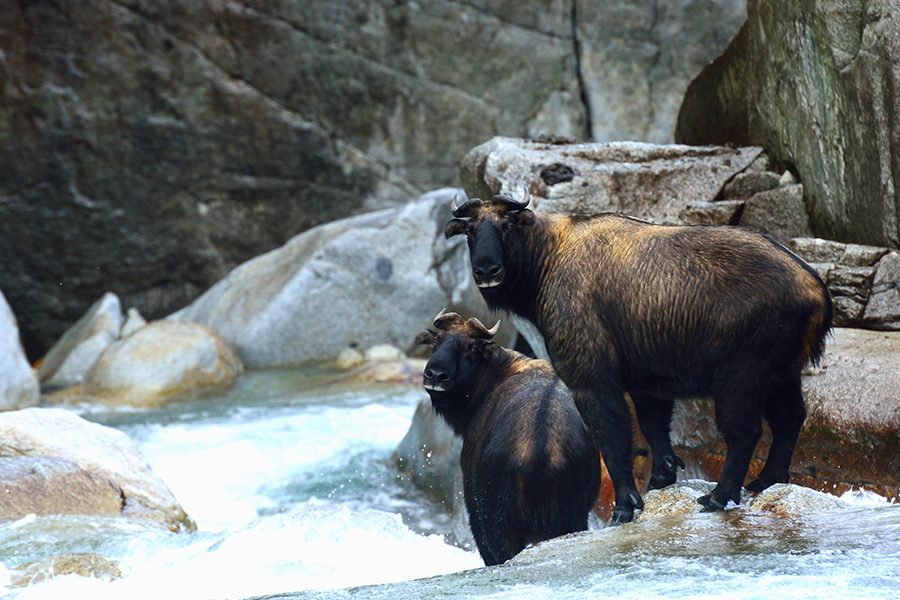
682	290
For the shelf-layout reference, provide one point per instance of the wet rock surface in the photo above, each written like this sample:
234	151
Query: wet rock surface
54	486
105	454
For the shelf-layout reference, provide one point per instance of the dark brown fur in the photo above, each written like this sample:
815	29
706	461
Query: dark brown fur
529	465
660	312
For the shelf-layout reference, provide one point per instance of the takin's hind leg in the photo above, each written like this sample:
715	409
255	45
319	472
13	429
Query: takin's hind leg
654	417
785	413
739	418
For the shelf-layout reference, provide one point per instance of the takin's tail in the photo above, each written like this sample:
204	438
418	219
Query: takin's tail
819	326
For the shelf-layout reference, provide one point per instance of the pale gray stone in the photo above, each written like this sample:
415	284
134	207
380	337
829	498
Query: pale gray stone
779	213
18	383
646	181
724	212
749	183
75	353
374	279
162	361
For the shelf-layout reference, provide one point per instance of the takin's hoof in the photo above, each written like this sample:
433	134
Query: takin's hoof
710	504
620	517
756	486
624	511
667	474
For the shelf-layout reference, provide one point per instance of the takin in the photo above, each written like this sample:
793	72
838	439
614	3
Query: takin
661	312
530	468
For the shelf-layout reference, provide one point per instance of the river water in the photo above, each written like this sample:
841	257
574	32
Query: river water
294	492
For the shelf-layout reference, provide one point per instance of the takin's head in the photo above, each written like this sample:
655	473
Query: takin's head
458	350
492	230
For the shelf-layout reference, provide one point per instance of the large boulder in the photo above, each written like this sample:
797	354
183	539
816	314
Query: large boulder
95	456
373	279
18	383
647	181
815	84
161	362
150	147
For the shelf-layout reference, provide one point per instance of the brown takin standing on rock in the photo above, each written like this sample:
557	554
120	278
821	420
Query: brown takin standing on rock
530	469
660	312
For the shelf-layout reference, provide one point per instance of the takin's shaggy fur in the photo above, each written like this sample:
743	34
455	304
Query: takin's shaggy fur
659	312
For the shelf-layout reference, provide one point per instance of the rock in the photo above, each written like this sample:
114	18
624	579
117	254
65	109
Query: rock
384	352
400	371
786	500
75	353
349	358
373	279
429	454
677	499
650	182
54	486
779	213
883	308
726	212
18	383
814	83
744	185
101	451
863	281
133	322
637	59
83	564
160	362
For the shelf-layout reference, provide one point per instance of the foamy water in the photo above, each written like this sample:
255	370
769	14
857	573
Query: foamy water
295	492
286	498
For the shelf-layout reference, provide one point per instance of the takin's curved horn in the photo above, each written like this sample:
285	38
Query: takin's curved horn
466	208
445	320
514	204
483	331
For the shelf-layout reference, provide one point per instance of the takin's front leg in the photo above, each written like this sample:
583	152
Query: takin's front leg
654	417
607	416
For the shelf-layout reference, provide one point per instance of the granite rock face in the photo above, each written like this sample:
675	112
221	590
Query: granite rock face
815	84
148	148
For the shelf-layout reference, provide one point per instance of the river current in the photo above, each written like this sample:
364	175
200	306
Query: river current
291	483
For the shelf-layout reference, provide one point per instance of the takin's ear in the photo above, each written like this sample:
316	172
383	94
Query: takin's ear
525	217
425	338
455	227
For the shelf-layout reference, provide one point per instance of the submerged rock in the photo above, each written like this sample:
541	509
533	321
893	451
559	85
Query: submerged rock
18	383
82	564
104	453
